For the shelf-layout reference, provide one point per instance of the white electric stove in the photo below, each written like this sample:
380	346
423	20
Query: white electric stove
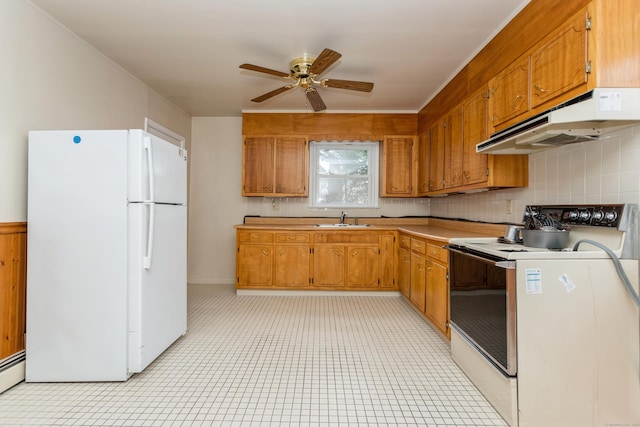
552	336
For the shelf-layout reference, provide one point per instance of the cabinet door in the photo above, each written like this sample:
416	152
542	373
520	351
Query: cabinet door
257	165
329	266
423	164
291	166
292	265
453	148
418	281
436	156
404	272
559	65
510	92
387	251
255	265
475	131
397	166
362	266
437	296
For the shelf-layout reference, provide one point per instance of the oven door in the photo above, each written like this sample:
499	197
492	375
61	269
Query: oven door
482	297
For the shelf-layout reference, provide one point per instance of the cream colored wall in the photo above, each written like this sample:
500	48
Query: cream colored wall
215	204
50	79
604	171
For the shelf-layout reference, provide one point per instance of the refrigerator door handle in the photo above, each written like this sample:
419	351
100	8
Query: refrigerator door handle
150	235
150	170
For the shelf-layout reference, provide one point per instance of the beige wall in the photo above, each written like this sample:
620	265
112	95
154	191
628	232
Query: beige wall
50	79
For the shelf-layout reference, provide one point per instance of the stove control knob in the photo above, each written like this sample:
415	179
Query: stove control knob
584	216
574	215
610	216
598	216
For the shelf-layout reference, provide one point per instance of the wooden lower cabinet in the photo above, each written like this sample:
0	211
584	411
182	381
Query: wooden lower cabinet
256	265
292	248
437	296
418	281
404	272
285	257
336	260
363	266
329	266
423	278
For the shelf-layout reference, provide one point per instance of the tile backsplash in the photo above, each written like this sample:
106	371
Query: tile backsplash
294	206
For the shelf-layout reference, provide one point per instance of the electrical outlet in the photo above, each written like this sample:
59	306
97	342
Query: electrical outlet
275	204
509	207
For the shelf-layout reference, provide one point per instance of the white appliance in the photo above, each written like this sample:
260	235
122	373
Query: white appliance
552	336
107	244
587	117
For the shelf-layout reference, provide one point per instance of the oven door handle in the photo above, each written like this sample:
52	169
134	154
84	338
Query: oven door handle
500	264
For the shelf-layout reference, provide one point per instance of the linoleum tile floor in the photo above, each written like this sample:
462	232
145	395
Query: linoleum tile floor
276	361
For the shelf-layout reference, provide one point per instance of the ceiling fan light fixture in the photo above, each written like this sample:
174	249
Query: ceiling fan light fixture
304	70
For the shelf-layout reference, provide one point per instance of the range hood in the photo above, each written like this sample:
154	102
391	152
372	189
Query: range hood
587	117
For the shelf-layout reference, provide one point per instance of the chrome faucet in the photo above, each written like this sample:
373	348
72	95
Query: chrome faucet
343	215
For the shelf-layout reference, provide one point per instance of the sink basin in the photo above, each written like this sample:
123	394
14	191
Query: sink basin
342	225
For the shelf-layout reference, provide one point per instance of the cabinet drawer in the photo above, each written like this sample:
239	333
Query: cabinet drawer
255	237
292	237
438	252
419	246
346	237
405	242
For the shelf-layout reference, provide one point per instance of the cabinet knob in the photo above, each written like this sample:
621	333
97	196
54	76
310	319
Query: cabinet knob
540	88
514	103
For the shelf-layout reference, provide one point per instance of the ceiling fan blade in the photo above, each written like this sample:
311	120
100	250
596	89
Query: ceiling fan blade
348	84
263	70
315	100
326	58
272	94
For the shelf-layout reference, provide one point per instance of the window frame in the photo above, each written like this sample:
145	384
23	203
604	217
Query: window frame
373	149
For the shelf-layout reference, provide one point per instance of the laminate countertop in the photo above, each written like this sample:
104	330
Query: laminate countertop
442	230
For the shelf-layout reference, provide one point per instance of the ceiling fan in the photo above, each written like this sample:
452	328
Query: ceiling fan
304	71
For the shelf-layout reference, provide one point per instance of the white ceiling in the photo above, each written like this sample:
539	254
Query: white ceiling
189	50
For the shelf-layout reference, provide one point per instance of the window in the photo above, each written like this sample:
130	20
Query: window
343	175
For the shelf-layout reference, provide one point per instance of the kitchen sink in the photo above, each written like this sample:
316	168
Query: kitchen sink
342	225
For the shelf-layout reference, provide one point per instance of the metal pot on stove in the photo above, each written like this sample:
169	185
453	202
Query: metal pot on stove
542	231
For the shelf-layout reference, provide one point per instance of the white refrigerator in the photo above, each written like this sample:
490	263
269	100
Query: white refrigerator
106	253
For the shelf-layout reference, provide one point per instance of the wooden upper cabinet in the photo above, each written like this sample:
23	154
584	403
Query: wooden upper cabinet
510	92
560	64
398	169
291	166
276	166
423	164
257	165
453	148
475	119
436	156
